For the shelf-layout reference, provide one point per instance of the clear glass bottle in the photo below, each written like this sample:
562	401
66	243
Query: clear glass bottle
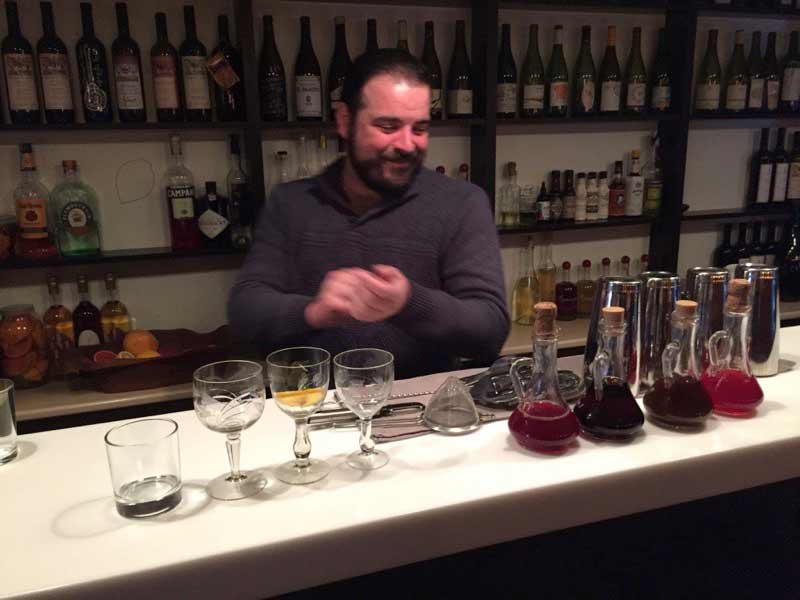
608	409
580	198
587	287
528	209
526	290
603	193
180	194
634	188
282	157
592	198
114	315
653	182
566	295
546	272
542	421
33	239
241	211
58	327
677	400
302	159
86	318
568	195
76	214
728	380
509	199
605	267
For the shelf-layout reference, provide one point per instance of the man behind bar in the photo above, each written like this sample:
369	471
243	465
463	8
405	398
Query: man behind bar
377	251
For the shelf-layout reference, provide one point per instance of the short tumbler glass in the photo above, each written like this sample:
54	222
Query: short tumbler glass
8	422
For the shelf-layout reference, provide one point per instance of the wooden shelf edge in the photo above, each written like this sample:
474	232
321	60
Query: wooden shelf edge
577	225
117	256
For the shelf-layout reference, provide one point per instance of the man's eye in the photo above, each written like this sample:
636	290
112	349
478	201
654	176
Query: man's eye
418	129
387	128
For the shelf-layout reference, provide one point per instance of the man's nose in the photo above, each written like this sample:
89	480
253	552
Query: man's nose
404	141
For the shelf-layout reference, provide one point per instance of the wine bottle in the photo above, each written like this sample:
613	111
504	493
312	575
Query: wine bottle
431	62
725	254
660	80
736	77
271	77
196	93
95	84
127	62
506	77
54	70
772	246
760	172
789	273
793	187
307	77
755	71
708	78
402	35
557	76
635	76
780	169
372	36
742	247
790	88
23	100
532	78
772	74
757	250
610	76
340	65
459	78
164	66
583	98
227	70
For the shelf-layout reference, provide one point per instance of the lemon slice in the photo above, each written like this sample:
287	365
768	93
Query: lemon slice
125	354
298	398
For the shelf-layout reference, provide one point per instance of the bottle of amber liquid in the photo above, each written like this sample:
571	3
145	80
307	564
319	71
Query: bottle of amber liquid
58	327
566	295
546	273
114	315
526	290
86	317
587	287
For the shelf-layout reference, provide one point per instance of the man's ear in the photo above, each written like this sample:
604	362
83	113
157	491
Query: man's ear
343	117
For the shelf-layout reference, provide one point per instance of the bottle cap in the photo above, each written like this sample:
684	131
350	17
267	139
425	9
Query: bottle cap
512	168
645	258
111	281
586	264
565	265
625	260
685	308
592	174
603	174
738	299
581	175
338	20
606	261
69	166
440	169
614	315
634	154
544	317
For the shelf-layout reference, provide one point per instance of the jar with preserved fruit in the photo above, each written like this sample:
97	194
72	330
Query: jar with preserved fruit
23	346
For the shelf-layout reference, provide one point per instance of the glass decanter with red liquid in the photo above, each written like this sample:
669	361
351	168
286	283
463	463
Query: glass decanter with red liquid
566	295
728	380
678	400
542	421
608	409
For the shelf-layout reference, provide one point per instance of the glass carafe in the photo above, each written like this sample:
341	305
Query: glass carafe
728	380
678	400
542	421
526	290
608	409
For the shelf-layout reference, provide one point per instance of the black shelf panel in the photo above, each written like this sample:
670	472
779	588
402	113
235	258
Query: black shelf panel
117	256
147	126
571	124
752	12
290	128
576	225
654	6
738	214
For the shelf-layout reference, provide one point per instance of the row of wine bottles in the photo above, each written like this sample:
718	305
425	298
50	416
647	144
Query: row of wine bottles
779	6
755	84
775	174
181	83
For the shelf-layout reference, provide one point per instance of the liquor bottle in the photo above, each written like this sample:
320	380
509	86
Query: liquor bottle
508	214
736	77
780	169
33	240
506	77
772	75
580	198
709	78
772	245
307	77
586	289
463	173
282	158
556	204
757	250
742	246
568	196
459	78
790	262
271	77
196	92
635	76
583	98
372	36
592	197
653	182
755	70
543	203
179	187
54	70
557	76
76	208
127	62
214	216
532	78
241	211
86	319
605	267
58	327
526	291
566	295
603	193
431	62
644	260
660	80
610	76
625	266
227	71
760	172
402	35
790	88
339	67
793	187
114	315
95	87
302	159
725	254
164	66
634	188
616	192
546	273
23	100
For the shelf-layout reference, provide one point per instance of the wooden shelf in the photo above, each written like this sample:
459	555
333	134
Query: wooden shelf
737	214
576	225
724	119
581	123
146	126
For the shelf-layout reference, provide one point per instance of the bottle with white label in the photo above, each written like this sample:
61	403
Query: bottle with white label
634	188
196	91
772	75
180	196
557	76
790	87
127	62
459	78
584	96
94	87
77	214
736	77
214	220
164	69
780	170
660	80
307	77
603	193
592	198
707	91
531	79
761	173
54	70
610	76
506	77
580	198
431	61
340	65
793	187
23	100
635	76
755	72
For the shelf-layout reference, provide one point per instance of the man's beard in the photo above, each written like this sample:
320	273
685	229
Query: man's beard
370	170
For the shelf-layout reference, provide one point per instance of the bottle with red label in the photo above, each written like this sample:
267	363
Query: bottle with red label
54	71
128	78
34	240
164	67
183	222
616	192
23	99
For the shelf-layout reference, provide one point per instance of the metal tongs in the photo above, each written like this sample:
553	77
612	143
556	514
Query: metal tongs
344	417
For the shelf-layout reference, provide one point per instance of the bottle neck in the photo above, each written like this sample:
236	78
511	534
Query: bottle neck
771	45
460	37
545	365
735	323
612	344
12	17
86	19
161	30
533	41
430	40
305	36
48	25
112	295
191	29
684	332
55	297
341	39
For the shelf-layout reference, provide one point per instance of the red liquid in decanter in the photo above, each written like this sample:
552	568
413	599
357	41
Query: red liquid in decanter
616	417
685	404
543	426
732	393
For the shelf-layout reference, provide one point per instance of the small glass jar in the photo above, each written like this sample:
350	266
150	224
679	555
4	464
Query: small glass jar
23	346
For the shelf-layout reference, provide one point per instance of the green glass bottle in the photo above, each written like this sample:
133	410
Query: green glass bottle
76	214
755	70
635	76
557	76
531	78
583	97
736	77
708	78
610	76
506	77
790	89
772	74
660	80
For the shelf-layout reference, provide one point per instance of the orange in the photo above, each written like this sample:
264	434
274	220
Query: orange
138	341
148	354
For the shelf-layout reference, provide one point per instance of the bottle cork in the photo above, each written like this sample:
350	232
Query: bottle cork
614	315
685	308
544	318
738	295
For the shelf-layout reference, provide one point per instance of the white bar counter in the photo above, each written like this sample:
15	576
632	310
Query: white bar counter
62	537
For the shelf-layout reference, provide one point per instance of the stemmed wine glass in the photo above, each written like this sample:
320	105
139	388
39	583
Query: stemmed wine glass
364	379
298	379
229	397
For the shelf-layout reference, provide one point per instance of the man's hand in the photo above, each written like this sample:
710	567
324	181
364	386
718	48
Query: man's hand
335	299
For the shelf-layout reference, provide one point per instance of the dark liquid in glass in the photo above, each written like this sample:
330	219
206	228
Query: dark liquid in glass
543	426
617	417
684	405
567	301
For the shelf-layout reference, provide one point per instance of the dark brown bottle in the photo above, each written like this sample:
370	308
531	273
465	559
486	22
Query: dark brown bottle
95	86
128	80
506	77
459	78
54	71
225	66
86	319
372	36
307	77
340	66
434	68
194	75
271	77
165	72
23	100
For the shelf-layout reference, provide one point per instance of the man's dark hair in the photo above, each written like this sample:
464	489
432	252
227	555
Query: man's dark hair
380	62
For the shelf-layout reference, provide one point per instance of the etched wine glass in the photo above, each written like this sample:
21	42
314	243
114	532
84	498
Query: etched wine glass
298	379
229	396
364	379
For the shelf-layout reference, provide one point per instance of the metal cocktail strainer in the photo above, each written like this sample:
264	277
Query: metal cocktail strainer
451	409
